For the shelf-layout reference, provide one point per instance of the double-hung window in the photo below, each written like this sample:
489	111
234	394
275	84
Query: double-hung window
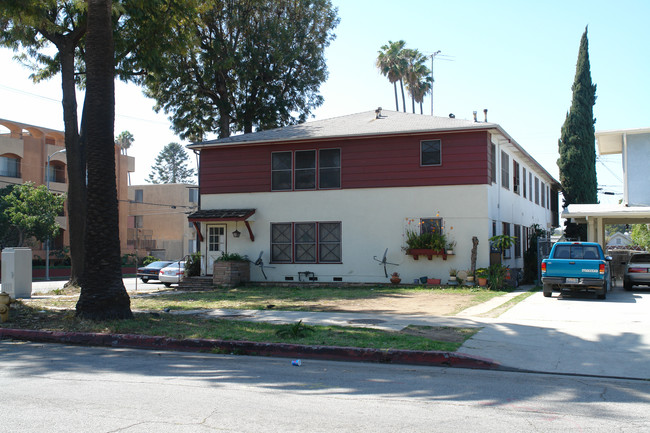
523	178
430	152
505	168
515	177
281	171
536	190
306	242
329	168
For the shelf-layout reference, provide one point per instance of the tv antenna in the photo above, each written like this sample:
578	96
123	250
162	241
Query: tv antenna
438	55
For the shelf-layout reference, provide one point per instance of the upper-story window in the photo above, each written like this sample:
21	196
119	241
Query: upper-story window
536	190
543	201
493	163
305	169
530	186
430	152
523	177
505	170
139	196
56	172
515	177
193	195
281	176
9	166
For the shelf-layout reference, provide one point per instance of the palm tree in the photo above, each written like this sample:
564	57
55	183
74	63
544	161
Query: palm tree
124	140
391	64
417	76
103	295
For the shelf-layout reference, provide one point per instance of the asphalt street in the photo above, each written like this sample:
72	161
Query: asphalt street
55	388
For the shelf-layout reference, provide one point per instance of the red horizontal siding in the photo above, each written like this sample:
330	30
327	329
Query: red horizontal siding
378	162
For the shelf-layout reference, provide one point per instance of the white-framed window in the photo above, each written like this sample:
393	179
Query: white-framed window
523	177
515	177
216	238
430	152
543	201
329	168
281	173
530	186
536	190
505	170
517	241
193	195
506	231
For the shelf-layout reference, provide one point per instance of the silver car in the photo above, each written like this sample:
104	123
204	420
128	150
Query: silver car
637	271
172	274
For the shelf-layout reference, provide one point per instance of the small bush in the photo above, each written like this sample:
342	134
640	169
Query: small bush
193	266
232	257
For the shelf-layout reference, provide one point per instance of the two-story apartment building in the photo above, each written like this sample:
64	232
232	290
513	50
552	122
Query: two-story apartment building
323	200
24	153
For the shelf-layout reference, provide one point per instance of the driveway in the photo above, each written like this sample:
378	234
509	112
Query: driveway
572	335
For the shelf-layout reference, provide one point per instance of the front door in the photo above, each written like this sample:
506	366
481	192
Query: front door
215	245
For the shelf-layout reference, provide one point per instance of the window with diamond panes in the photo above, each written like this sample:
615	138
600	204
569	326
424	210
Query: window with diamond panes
329	242
281	171
305	242
281	243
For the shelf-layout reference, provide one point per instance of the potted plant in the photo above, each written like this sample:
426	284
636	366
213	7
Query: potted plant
481	275
452	274
450	247
425	244
394	278
470	276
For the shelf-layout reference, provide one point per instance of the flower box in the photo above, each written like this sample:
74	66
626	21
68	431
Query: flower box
417	252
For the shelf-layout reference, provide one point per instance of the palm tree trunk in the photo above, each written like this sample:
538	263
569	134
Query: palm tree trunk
75	165
103	295
401	85
413	104
396	100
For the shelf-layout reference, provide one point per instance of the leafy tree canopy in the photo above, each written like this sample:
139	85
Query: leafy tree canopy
239	65
29	211
171	166
641	235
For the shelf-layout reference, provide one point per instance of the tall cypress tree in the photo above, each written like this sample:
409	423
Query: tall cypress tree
577	144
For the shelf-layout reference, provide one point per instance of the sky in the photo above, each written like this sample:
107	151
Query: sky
515	58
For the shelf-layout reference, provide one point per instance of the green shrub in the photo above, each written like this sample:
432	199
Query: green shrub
149	259
232	257
193	266
497	276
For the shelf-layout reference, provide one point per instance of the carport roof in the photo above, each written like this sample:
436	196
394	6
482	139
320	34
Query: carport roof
610	213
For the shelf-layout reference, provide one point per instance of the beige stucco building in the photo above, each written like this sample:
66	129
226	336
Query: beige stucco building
157	222
24	152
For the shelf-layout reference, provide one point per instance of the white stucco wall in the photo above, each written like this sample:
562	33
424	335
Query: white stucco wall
371	221
637	161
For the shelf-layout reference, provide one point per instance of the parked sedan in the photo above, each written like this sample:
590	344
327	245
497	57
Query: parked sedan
637	271
151	271
172	274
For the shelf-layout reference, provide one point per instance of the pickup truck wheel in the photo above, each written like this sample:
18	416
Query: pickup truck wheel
548	291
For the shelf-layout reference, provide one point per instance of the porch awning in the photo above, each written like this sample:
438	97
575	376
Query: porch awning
221	215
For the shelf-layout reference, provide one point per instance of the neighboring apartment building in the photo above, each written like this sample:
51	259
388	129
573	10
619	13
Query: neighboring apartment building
325	199
634	147
157	223
24	151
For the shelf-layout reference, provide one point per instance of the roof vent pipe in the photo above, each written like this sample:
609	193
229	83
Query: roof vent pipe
378	113
475	117
485	112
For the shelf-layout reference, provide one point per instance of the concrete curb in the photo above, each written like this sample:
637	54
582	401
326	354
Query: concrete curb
330	353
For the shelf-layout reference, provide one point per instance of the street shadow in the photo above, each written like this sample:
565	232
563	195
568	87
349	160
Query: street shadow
316	377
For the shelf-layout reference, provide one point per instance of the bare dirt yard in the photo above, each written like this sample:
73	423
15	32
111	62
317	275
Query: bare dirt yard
435	304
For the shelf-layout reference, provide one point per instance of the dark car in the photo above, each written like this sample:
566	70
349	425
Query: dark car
150	272
637	271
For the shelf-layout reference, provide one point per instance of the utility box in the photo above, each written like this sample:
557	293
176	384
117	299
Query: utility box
17	272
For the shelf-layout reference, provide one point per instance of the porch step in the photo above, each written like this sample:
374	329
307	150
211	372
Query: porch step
196	283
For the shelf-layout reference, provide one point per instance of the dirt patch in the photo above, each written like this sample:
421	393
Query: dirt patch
435	304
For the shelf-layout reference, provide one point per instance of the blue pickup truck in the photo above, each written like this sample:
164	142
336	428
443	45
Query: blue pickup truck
575	266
